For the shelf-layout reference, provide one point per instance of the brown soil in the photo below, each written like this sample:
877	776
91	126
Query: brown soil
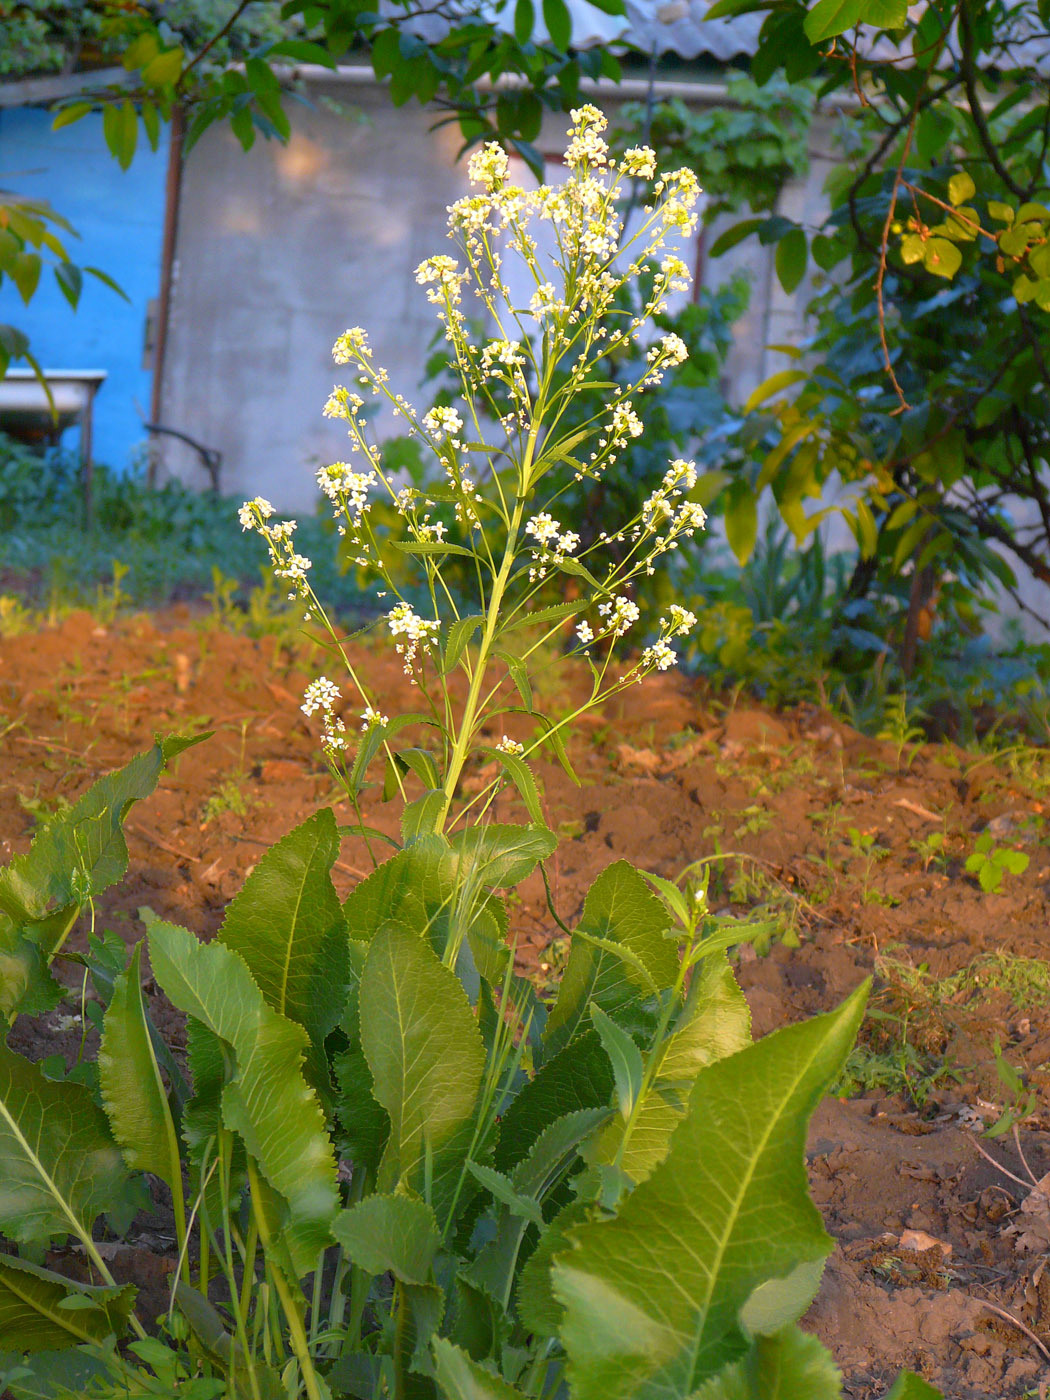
667	777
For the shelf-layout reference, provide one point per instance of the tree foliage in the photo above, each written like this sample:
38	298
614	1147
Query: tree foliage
925	389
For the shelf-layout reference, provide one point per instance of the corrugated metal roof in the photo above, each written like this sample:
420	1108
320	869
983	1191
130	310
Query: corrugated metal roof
668	26
679	27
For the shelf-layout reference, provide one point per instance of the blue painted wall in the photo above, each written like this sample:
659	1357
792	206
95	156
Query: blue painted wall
119	215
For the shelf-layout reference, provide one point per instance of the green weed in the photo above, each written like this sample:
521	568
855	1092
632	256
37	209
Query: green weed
991	863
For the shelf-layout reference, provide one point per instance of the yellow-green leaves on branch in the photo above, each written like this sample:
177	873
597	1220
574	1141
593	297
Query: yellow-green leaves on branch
829	18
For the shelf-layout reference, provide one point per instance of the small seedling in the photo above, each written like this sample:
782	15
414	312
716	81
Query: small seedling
228	797
930	849
897	730
991	863
1022	1103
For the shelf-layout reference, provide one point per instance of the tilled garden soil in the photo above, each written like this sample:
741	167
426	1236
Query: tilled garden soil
857	848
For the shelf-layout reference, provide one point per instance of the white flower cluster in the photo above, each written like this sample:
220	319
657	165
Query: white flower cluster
287	564
659	657
554	543
416	632
587	146
348	489
372	719
323	694
506	353
620	615
681	621
441	275
255	513
625	422
668	352
639	163
545	302
352	345
443	423
489	167
508	745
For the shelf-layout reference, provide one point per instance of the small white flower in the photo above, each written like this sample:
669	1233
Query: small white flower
508	745
320	694
671	349
585	633
639	162
659	656
253	512
545	302
442	422
691	516
502	352
372	719
489	166
417	632
681	620
586	146
625	422
620	614
680	472
543	528
351	345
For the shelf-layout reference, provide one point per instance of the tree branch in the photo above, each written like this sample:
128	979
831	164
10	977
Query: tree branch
968	64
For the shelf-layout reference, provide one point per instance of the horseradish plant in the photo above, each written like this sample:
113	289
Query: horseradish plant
393	1170
505	496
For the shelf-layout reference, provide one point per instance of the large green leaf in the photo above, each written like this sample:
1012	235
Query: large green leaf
461	1378
364	1123
390	1234
26	985
56	1375
652	1297
714	1022
83	851
59	1167
537	1306
288	926
521	1197
579	1077
73	858
502	855
133	1092
423	1047
632	961
41	1310
909	1386
427	888
789	1365
266	1099
830	17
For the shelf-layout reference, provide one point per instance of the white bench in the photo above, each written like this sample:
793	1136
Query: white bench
26	412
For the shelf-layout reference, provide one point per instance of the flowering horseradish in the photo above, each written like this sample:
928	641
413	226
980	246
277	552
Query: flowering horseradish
506	456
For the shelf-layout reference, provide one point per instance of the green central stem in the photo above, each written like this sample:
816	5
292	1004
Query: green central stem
461	748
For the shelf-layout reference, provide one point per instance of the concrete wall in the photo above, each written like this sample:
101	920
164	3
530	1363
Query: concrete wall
119	216
279	251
